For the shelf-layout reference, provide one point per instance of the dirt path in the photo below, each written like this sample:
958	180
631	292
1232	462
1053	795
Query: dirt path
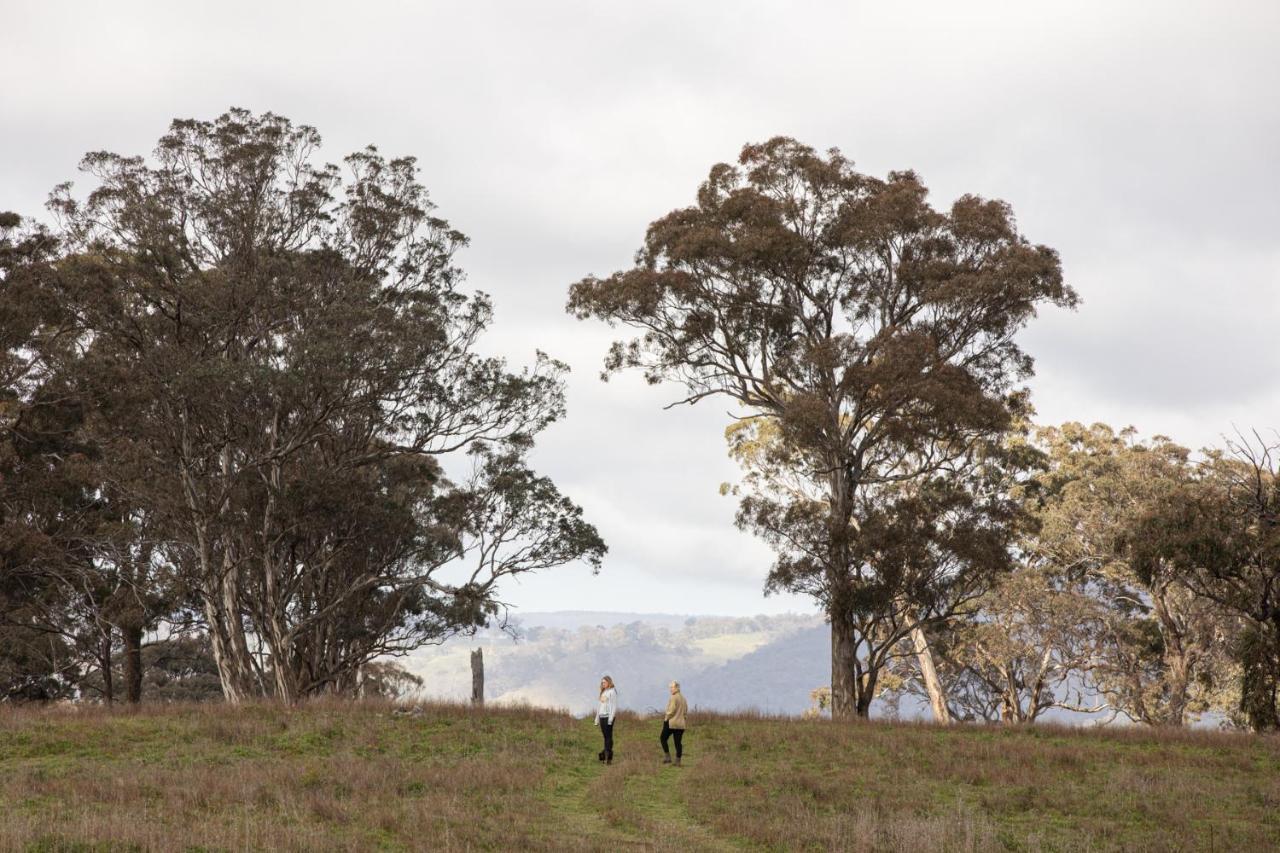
636	803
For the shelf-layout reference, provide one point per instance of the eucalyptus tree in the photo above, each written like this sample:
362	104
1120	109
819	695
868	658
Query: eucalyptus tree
288	347
877	333
1023	651
1095	615
48	637
928	549
1220	535
1159	650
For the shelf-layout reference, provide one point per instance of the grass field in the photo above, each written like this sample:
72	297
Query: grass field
357	777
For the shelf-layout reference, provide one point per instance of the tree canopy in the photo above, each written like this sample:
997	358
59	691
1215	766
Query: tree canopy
876	332
279	368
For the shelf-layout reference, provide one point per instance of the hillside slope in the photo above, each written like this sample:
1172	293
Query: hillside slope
724	663
360	776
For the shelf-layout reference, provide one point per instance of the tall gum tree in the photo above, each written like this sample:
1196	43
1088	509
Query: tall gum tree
875	331
926	549
289	344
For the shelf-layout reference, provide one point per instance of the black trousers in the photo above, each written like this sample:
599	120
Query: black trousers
606	729
668	732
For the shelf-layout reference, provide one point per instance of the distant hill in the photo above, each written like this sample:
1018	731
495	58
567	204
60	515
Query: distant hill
776	678
768	663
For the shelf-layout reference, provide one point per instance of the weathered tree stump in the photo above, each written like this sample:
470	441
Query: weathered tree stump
477	677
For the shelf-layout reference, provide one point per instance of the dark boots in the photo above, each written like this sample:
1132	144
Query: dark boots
608	756
600	755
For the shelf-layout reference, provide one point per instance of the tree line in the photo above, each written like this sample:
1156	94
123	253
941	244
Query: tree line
245	410
889	457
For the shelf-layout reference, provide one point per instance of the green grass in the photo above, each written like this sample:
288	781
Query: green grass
357	777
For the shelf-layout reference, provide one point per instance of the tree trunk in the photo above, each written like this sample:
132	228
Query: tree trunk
228	583
234	688
226	677
272	608
104	665
132	663
238	644
844	635
1179	687
844	658
1010	705
1176	660
1260	681
286	682
212	598
929	675
477	677
866	692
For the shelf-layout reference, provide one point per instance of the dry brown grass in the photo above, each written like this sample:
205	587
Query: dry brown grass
327	776
343	776
883	786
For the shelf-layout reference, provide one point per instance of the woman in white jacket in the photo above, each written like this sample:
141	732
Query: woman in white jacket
604	717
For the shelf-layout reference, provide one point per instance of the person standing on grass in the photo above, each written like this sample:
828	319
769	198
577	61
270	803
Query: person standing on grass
604	717
673	724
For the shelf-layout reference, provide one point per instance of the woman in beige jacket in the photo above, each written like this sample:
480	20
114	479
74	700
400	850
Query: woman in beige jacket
673	723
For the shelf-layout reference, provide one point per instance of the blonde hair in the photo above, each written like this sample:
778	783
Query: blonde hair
609	681
676	685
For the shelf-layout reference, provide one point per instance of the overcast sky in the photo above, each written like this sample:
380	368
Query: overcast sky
1141	139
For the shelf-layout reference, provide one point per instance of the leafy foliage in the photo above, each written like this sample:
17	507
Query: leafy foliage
276	357
875	335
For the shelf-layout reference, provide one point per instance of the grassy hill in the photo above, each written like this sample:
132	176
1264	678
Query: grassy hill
358	777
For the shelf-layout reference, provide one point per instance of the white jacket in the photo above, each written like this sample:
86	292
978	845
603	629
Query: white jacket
608	705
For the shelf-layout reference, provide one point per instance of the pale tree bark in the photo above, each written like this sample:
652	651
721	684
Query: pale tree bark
215	595
237	644
1037	687
234	688
230	584
270	613
218	592
866	689
929	675
1010	697
1178	658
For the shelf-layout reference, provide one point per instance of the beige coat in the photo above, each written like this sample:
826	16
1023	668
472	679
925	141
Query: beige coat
676	709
